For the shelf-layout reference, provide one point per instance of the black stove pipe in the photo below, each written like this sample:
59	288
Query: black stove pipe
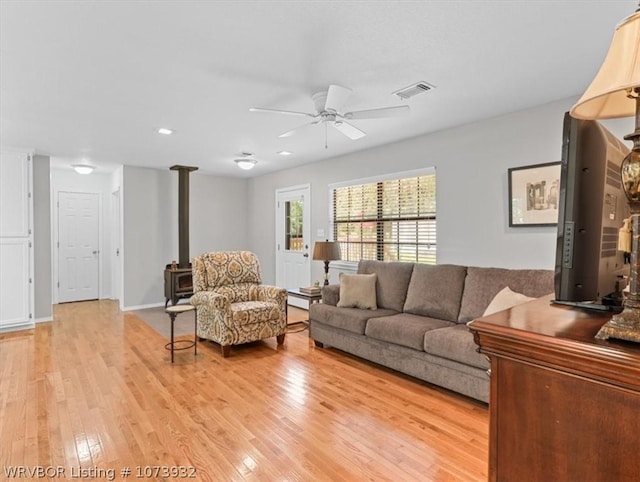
183	214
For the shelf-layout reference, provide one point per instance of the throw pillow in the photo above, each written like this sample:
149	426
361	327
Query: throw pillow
504	300
358	291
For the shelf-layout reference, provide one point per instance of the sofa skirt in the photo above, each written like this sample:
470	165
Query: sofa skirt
467	380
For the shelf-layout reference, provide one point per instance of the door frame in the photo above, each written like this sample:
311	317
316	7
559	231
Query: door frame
279	223
115	256
55	207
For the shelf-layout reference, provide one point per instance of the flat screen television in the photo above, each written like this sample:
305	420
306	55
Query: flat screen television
591	209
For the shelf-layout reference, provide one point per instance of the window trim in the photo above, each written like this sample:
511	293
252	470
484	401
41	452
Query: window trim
426	171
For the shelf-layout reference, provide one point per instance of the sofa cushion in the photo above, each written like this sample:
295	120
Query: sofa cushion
436	291
482	284
358	291
504	300
455	343
349	319
403	329
393	280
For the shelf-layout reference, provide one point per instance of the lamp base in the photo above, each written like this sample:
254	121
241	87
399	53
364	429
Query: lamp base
623	326
326	273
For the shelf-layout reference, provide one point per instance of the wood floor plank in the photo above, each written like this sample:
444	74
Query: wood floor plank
96	388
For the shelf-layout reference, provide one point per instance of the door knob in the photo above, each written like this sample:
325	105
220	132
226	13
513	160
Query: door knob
306	255
94	252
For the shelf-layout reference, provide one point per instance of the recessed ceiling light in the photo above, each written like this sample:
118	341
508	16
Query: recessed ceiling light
284	153
246	164
83	168
164	131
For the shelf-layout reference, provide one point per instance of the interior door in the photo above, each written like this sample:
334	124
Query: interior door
78	246
16	240
293	236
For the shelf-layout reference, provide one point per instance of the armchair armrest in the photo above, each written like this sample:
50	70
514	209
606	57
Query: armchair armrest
331	294
274	294
209	298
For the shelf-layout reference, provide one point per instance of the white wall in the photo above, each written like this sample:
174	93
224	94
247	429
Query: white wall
217	221
70	181
471	167
42	249
149	242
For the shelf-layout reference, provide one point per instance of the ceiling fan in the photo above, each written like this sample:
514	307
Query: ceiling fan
328	111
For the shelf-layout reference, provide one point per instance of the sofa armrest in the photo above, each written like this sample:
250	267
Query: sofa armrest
331	294
215	300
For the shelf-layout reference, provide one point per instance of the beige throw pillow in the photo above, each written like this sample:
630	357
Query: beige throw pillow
358	291
504	300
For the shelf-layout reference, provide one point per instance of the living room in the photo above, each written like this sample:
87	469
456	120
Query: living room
228	212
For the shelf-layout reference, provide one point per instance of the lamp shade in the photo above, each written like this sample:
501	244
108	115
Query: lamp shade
326	251
607	96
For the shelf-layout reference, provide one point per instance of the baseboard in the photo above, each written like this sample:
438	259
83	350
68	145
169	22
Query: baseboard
18	327
44	319
141	307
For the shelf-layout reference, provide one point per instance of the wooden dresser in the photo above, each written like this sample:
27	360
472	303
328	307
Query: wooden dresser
563	405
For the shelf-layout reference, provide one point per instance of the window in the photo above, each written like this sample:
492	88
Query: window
293	225
389	219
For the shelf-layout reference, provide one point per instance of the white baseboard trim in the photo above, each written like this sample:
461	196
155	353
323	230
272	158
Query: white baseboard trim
44	319
18	327
141	307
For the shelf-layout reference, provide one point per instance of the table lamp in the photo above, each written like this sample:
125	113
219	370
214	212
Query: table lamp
615	92
326	251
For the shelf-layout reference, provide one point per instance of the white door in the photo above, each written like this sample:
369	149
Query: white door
16	240
15	282
293	237
14	195
78	253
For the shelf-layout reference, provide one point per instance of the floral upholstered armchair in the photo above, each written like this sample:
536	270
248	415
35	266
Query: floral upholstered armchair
232	307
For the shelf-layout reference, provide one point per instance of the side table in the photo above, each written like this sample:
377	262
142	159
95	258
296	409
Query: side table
173	312
311	298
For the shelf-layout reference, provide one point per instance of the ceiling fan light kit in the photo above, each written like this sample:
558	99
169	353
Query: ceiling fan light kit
328	105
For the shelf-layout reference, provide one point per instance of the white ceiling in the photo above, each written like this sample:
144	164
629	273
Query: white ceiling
95	79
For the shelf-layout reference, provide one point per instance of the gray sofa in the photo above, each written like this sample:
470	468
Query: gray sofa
419	326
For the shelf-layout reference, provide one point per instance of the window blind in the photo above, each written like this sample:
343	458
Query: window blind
387	220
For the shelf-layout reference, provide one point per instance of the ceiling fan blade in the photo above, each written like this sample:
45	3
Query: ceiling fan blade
336	97
378	113
277	111
351	131
298	129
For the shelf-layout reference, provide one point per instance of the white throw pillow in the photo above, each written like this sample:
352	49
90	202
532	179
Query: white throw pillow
358	291
504	300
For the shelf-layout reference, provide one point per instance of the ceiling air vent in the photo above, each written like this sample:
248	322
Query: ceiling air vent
413	90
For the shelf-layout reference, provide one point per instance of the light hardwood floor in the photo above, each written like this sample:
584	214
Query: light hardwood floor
95	389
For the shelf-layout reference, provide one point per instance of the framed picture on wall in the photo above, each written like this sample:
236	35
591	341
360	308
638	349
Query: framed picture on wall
533	195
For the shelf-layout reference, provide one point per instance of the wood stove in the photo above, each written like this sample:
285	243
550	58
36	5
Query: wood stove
178	280
178	284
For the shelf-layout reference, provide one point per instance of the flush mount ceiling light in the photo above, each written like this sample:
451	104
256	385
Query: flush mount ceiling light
284	153
246	164
164	131
83	168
